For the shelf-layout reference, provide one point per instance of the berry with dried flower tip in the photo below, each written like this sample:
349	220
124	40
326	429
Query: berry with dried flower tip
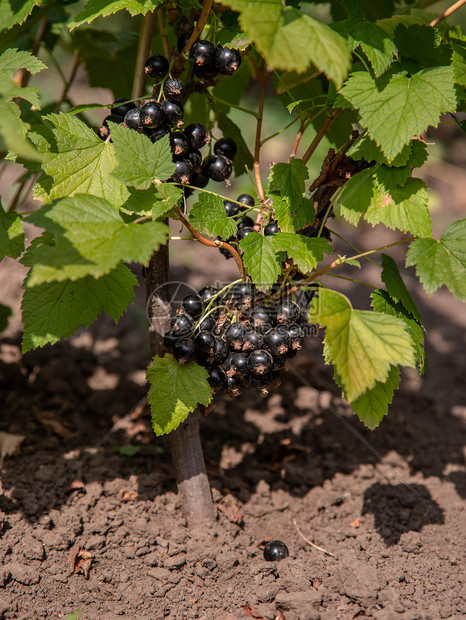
239	363
207	292
226	147
277	341
133	119
232	386
220	350
179	144
252	340
262	318
217	377
287	311
227	60
173	112
173	88
156	66
234	335
296	335
152	115
260	362
202	52
197	135
218	167
183	171
195	158
260	382
182	325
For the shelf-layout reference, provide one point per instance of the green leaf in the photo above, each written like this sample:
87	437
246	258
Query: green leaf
175	391
415	16
91	239
128	450
104	8
365	148
5	312
458	60
209	215
139	160
306	252
243	158
396	111
361	344
291	40
261	260
372	406
157	201
54	311
375	43
292	219
78	161
12	236
288	181
12	13
13	132
396	288
443	261
11	61
417	42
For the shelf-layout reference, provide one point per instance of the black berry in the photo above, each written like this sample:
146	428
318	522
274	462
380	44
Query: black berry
244	232
205	341
159	133
227	60
197	135
260	362
122	107
239	363
152	115
234	335
207	292
183	171
195	158
179	144
246	199
217	377
252	340
220	350
275	550
232	386
218	167
277	341
262	318
245	221
271	228
296	335
242	294
287	311
133	119
184	350
182	40
112	118
173	111
173	88
193	305
208	324
157	67
260	382
199	179
231	208
279	362
207	71
202	52
226	147
182	325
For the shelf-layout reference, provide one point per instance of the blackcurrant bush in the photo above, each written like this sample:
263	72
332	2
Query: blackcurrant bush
184	350
220	350
277	341
157	67
179	144
244	232
205	341
182	40
271	228
232	386
260	362
245	221
193	305
287	311
252	340
173	112
173	88
207	71
275	550
227	60
195	158
182	325
262	318
217	377
296	335
202	52
152	115
133	119
234	335
183	171
207	292
218	167
120	107
226	147
197	135
199	179
159	133
231	208
239	363
246	199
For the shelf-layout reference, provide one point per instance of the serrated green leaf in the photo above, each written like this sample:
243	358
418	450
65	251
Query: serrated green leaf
156	201
261	260
375	43
372	406
382	302
209	215
243	158
77	160
306	252
396	288
5	312
291	219
91	239
175	391
56	310
458	60
291	40
13	132
12	236
104	8
443	261
11	61
365	148
363	345
415	16
288	180
154	160
12	13
396	111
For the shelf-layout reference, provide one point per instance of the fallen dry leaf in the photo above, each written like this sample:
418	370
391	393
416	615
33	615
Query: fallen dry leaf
80	561
316	582
230	508
9	445
253	613
129	496
356	522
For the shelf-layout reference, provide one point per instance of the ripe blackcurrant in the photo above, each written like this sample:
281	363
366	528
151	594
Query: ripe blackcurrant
279	362
173	111
217	377
252	340
152	115
277	341
121	108
182	325
207	292
271	228
220	350
231	208
169	339
184	350
112	118
232	386
244	232
173	88
218	167
245	221
205	341
260	381
179	144
260	362
197	135
246	199
157	67
159	133
206	71
226	147
296	335
193	305
227	60
195	157
287	311
183	171
224	252
239	363
133	119
202	52
275	550
262	318
208	324
199	179
234	335
242	294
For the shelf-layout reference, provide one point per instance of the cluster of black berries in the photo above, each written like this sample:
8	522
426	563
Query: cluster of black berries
239	335
210	60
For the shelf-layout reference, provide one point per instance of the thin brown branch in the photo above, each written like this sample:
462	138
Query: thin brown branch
299	135
198	28
69	82
215	244
22	77
144	45
454	7
321	133
257	146
163	34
